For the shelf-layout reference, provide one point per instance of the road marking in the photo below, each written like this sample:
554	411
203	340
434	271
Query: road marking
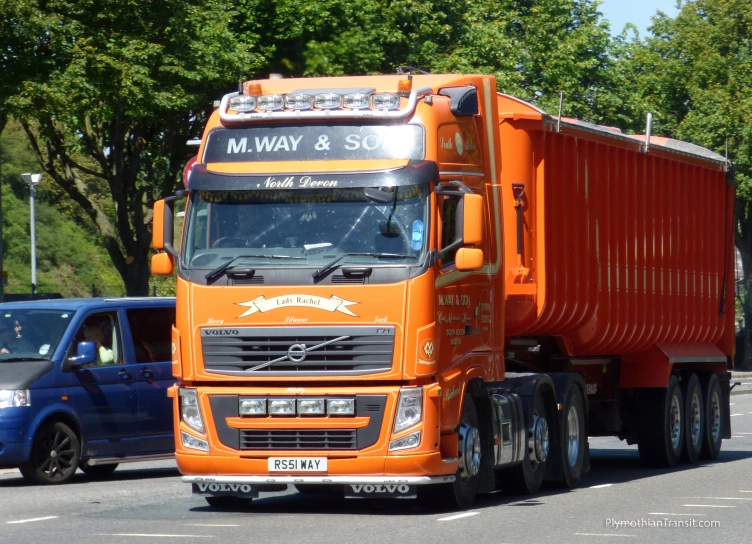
733	415
710	505
724	498
736	436
458	516
600	534
745	433
210	525
155	535
600	486
32	519
670	514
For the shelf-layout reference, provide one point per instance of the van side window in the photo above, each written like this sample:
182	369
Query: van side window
151	329
448	227
103	329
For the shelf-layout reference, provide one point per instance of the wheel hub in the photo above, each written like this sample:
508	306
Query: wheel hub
539	450
469	446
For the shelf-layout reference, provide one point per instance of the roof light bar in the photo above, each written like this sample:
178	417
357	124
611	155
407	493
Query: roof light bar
271	104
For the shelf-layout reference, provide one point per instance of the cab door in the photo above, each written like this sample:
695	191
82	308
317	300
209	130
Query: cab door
150	349
104	393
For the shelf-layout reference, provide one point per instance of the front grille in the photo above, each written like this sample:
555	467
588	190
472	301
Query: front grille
319	439
331	350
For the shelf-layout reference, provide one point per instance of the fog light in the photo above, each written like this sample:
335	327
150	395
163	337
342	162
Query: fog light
243	103
328	101
312	407
298	101
269	102
385	101
340	407
252	407
357	101
282	407
193	442
409	441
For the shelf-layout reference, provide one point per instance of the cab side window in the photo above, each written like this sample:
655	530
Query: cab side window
103	329
448	228
151	329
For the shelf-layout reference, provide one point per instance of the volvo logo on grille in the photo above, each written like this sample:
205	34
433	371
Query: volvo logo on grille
297	353
221	332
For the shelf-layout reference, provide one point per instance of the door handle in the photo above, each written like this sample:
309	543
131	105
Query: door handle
147	373
124	375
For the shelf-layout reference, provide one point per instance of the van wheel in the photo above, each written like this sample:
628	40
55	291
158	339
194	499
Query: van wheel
228	502
694	417
461	493
98	471
526	478
54	457
573	437
660	437
714	417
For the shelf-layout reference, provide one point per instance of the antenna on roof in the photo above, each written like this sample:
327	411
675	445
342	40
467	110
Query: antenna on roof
647	131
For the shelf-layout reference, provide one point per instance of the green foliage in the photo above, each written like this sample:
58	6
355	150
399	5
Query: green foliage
70	256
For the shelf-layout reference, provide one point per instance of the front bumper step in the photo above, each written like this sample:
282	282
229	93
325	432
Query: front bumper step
334	480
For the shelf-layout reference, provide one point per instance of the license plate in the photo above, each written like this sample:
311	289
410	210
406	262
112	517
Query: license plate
297	464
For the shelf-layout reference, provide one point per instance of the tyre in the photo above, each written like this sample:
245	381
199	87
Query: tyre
54	456
527	477
225	501
660	435
98	471
714	417
694	419
573	437
460	494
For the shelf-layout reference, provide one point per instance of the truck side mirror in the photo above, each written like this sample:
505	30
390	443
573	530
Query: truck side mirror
161	264
468	258
468	224
472	219
157	229
86	352
162	232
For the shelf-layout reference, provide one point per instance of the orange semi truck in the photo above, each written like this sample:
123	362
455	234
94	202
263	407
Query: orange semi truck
388	285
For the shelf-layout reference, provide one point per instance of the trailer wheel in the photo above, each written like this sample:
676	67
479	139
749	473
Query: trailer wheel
713	432
527	477
573	437
461	493
694	418
661	431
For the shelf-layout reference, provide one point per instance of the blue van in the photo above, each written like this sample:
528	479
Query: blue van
83	384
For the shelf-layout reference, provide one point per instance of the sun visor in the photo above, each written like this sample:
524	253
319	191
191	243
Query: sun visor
413	173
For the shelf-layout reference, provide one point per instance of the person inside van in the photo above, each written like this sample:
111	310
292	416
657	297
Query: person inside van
94	333
10	339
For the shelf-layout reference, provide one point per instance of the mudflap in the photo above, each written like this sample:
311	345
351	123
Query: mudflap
243	491
381	491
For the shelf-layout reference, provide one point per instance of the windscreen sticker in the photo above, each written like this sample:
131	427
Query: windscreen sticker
417	240
44	349
332	304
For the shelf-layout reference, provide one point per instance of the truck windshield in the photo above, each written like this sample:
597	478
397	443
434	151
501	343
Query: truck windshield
31	334
293	228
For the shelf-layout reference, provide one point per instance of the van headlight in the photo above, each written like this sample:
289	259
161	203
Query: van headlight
190	411
10	398
409	408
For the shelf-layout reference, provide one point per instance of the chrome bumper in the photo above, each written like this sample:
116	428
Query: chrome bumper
334	480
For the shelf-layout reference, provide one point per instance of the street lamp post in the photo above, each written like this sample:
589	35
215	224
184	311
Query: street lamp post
32	180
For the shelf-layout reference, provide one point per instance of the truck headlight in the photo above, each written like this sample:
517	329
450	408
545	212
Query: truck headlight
18	397
190	411
311	407
409	408
252	407
340	407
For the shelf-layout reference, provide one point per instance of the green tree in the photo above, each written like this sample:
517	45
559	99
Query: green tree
128	82
695	73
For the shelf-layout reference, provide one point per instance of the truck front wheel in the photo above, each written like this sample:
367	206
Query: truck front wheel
573	437
461	493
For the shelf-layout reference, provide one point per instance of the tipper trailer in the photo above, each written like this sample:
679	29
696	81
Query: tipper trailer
390	284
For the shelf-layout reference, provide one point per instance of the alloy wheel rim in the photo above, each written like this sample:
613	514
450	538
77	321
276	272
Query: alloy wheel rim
55	455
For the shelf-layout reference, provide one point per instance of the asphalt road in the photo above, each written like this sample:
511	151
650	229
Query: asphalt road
147	503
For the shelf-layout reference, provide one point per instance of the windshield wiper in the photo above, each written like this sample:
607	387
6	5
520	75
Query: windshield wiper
333	264
217	272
